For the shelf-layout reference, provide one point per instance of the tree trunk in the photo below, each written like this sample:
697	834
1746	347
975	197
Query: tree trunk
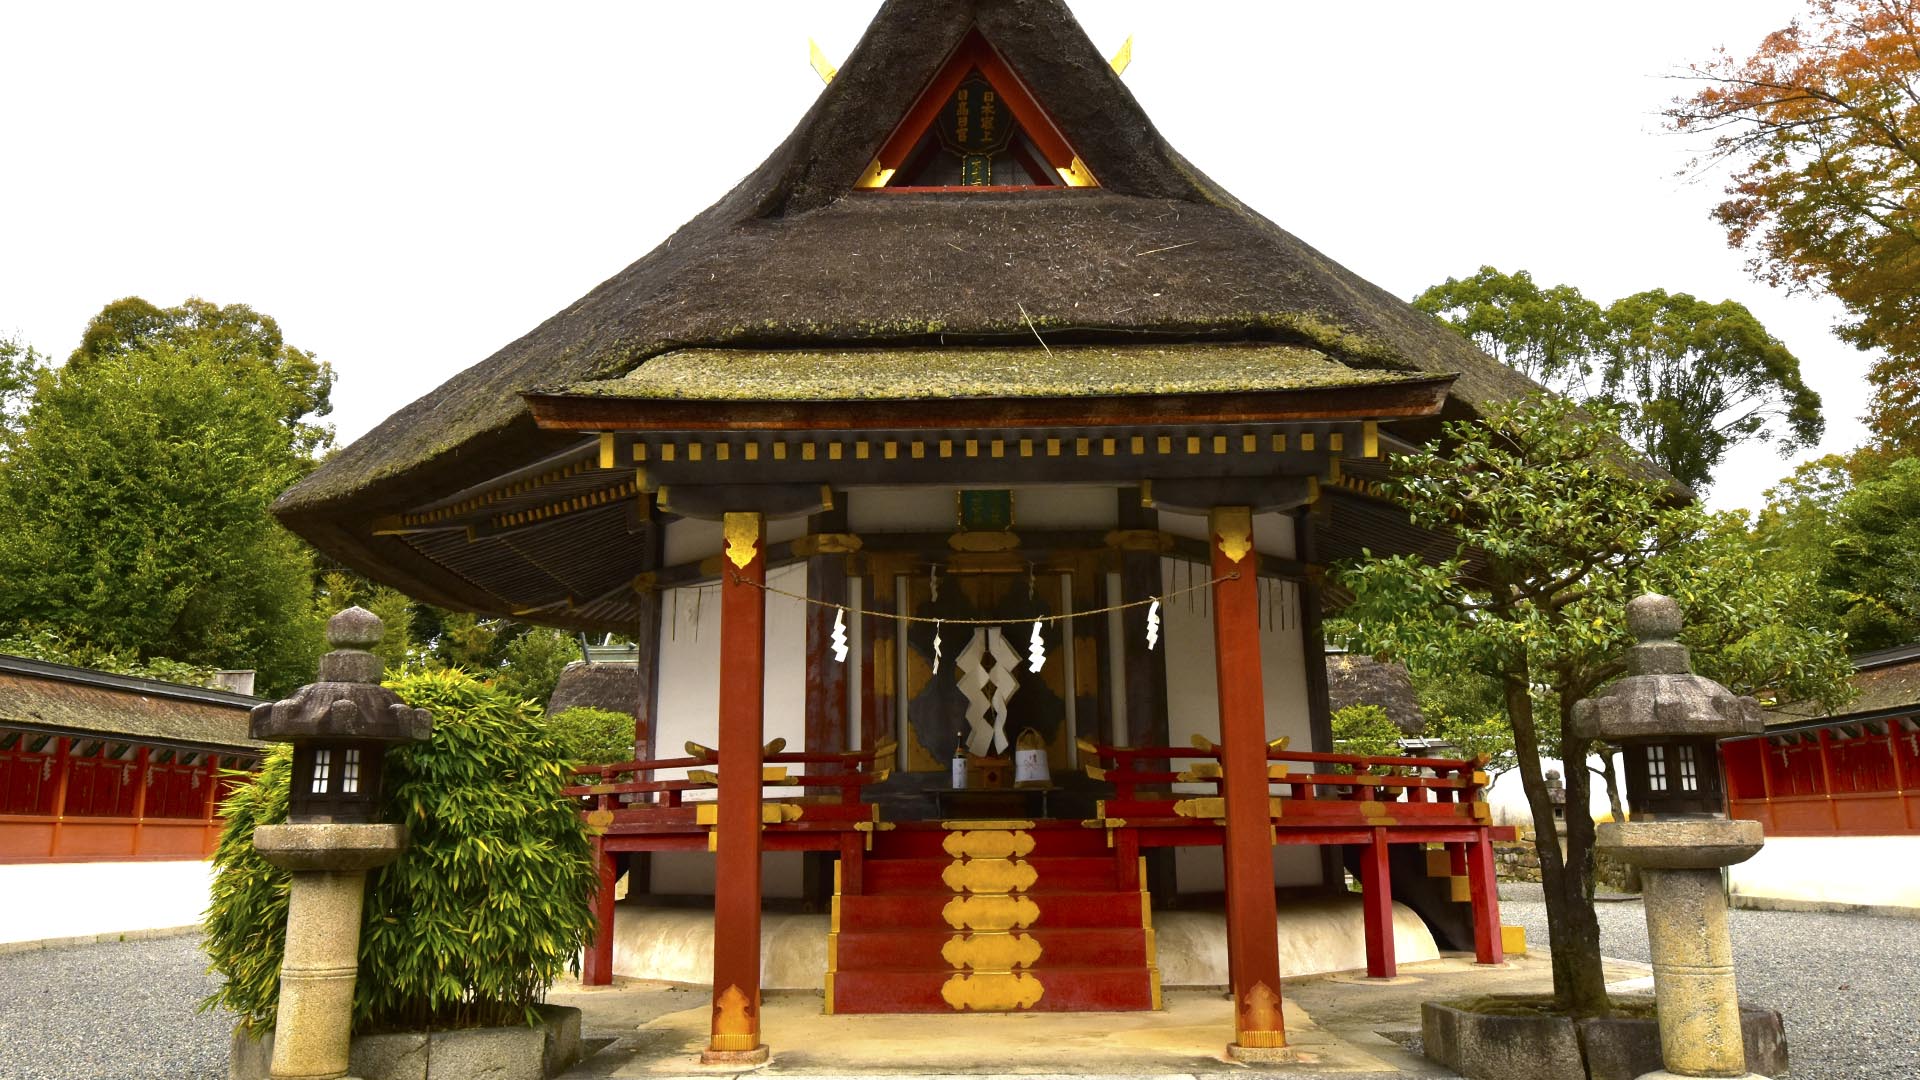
1579	982
1608	777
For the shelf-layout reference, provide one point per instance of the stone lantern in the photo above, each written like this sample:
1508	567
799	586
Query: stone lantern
340	728
1670	721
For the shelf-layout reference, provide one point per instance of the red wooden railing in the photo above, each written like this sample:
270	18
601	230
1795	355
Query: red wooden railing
1837	781
93	800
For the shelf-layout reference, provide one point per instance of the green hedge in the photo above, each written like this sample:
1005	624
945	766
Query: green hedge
593	736
489	904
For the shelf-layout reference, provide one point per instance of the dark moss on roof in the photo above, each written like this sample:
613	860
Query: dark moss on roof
1885	682
78	701
794	258
970	372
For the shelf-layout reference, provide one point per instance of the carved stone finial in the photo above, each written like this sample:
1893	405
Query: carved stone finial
1652	617
1654	621
355	628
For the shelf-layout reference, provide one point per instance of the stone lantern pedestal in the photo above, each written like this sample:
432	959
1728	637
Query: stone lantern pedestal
1693	987
1670	720
313	1026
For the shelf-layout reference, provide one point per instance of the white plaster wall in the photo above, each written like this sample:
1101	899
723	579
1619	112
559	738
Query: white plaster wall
1193	701
65	900
689	690
883	510
1315	937
690	873
1507	799
689	706
1061	507
1869	871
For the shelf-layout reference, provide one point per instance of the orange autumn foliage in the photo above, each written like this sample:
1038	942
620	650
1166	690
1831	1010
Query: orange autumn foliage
1820	128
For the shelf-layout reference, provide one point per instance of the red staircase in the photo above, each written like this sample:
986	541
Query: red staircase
992	917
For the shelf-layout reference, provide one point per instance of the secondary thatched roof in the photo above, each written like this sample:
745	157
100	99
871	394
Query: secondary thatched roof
1354	679
1884	682
793	257
67	700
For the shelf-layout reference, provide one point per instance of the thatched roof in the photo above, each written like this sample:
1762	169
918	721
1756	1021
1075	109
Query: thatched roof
67	700
930	372
1354	679
794	257
1884	682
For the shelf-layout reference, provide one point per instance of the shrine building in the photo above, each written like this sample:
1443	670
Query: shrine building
966	477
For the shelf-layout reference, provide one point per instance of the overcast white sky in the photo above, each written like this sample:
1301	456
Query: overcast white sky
407	187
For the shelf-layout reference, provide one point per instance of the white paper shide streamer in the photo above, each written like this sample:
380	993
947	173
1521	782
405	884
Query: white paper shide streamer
970	674
1036	649
840	634
1153	624
1004	683
936	648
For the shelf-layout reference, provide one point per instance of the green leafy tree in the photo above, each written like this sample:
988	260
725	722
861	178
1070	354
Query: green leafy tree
1366	729
133	513
20	368
42	643
1466	710
532	662
1555	533
487	906
1817	128
1854	525
593	736
231	335
1689	379
1550	335
520	658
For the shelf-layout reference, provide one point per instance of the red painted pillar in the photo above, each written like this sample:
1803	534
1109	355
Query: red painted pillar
1253	947
1826	779
1484	885
62	775
142	779
1376	902
736	899
597	970
210	833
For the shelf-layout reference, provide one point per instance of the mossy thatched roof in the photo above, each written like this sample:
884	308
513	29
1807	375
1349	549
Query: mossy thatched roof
929	372
80	701
794	258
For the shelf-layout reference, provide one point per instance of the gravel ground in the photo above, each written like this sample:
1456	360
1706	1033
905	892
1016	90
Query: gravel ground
119	1011
1845	985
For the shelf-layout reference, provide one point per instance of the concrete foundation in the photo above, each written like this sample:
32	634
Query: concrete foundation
1490	1046
523	1053
676	944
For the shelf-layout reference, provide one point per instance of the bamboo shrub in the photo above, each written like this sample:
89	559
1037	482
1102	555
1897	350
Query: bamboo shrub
488	905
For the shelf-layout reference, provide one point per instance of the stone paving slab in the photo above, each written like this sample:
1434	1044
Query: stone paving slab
1335	1023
